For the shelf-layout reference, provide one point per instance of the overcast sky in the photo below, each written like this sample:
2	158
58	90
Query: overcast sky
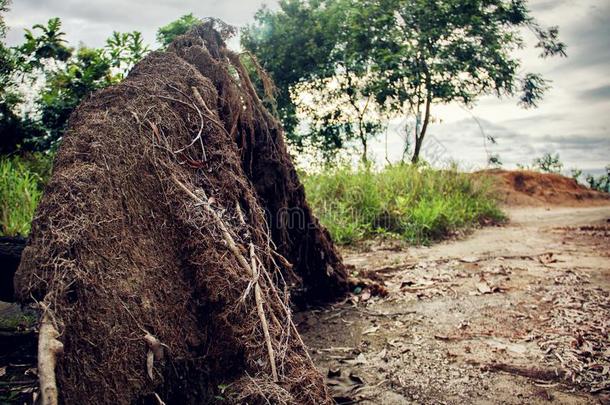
573	119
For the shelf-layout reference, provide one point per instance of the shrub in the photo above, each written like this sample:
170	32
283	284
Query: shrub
416	203
21	183
601	183
548	163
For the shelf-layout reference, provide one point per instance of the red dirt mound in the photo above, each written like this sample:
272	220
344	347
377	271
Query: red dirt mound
529	188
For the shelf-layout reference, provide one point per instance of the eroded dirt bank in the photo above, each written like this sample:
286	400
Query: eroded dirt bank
514	314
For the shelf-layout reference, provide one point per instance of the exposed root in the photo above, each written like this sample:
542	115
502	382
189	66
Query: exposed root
158	225
155	352
48	350
223	227
261	313
250	268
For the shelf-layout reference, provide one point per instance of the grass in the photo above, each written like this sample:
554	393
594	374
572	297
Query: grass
415	203
19	321
21	184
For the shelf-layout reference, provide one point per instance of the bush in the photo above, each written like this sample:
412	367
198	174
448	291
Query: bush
548	163
21	183
416	203
601	183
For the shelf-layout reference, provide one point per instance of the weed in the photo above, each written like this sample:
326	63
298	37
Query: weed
21	183
417	203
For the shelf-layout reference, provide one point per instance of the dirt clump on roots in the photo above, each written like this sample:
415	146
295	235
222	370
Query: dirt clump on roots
296	233
159	254
529	188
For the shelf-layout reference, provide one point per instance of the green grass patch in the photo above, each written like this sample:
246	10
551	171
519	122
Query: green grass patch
415	203
18	321
21	183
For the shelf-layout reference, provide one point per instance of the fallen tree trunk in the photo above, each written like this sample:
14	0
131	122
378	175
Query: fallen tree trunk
152	248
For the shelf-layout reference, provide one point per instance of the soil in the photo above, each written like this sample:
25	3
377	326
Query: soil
529	188
514	314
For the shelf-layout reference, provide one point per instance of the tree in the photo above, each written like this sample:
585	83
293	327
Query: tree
87	70
3	9
575	173
495	161
448	51
167	33
50	44
66	77
295	46
64	89
10	124
124	50
407	54
24	64
321	82
338	112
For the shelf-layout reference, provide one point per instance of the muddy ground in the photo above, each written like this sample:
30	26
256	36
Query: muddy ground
513	314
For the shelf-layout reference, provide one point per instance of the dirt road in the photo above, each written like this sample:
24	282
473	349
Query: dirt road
517	314
514	314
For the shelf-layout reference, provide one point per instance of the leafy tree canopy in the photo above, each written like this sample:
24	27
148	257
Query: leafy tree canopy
295	45
167	33
548	163
35	121
125	49
406	55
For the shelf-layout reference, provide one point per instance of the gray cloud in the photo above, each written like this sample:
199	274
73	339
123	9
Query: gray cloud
589	143
91	22
548	5
589	42
525	121
601	93
479	130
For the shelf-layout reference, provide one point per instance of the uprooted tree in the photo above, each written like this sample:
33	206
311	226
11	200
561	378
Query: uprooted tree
165	246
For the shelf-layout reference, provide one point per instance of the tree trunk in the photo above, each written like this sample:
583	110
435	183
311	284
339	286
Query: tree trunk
419	139
364	150
418	142
362	137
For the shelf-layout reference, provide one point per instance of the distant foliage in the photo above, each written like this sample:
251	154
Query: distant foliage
494	160
10	122
3	9
123	50
62	76
20	192
575	173
601	183
167	33
548	163
415	203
